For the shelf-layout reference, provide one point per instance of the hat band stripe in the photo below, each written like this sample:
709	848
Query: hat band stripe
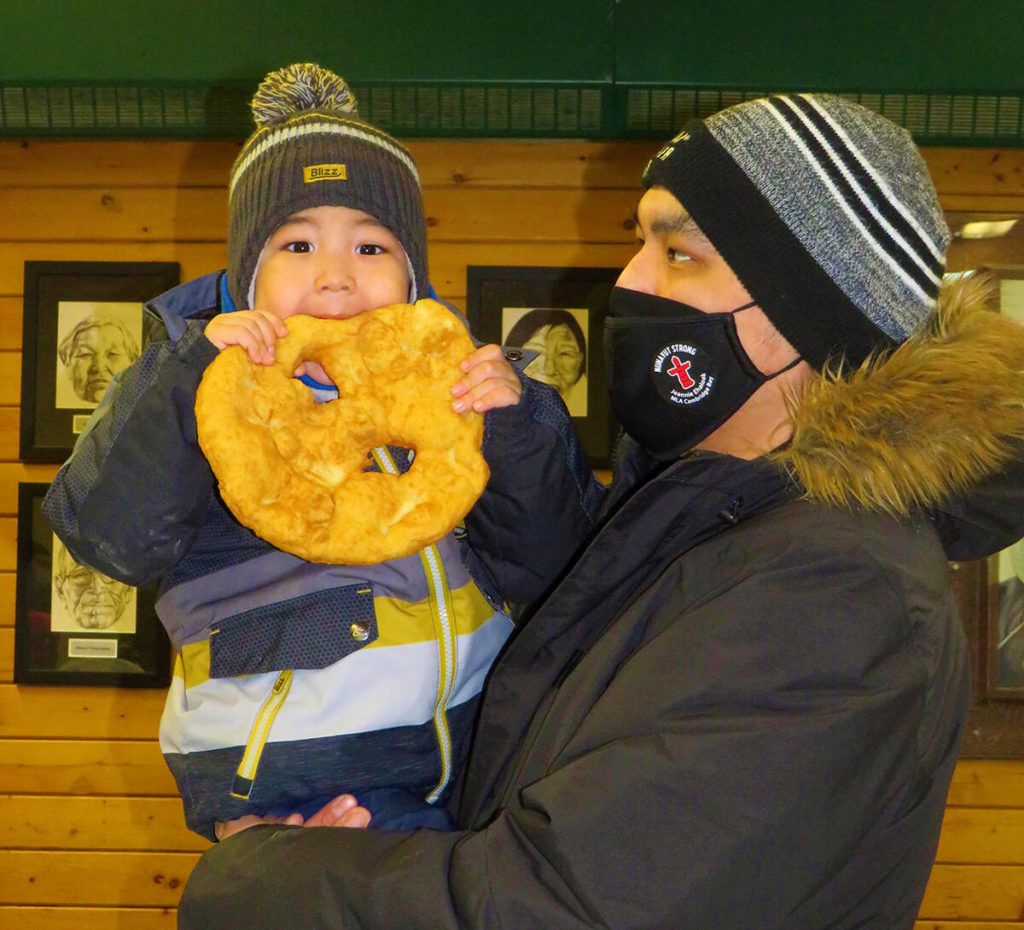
928	274
865	168
907	277
800	298
323	126
871	188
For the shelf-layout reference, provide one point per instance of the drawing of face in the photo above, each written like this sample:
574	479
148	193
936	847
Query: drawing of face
95	601
93	353
560	358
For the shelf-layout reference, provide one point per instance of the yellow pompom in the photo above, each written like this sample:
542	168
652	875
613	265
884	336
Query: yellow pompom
297	89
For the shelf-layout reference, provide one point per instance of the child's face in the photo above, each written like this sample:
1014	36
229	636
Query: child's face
330	262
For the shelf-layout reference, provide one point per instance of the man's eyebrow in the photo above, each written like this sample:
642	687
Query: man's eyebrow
680	223
675	223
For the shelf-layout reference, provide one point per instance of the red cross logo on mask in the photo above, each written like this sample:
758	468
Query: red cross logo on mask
681	370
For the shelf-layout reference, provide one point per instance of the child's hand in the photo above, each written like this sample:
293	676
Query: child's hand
224	828
489	382
256	331
343	811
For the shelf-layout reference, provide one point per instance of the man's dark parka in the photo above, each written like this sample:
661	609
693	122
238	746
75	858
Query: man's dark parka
740	708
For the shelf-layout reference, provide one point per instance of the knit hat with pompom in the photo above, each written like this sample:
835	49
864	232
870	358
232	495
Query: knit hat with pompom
311	149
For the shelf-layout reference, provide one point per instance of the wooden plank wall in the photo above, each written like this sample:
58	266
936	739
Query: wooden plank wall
90	826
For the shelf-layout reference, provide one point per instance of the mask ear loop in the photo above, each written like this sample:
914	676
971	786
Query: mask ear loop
785	368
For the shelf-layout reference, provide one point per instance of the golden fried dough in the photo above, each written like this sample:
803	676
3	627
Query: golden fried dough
293	470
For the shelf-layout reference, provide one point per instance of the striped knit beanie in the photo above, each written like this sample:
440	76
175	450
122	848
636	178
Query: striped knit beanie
311	149
824	210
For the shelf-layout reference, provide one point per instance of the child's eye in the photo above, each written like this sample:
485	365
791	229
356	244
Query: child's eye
300	245
369	248
675	257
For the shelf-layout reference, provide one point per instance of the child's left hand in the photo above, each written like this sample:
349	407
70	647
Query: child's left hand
489	382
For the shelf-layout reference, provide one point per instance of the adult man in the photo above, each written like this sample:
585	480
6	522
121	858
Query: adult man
741	706
93	352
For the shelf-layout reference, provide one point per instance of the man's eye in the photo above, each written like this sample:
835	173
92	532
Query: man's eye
676	257
369	248
300	245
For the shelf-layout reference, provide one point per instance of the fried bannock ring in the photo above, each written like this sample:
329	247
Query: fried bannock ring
295	471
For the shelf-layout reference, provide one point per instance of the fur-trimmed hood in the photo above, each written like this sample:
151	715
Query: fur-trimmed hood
923	424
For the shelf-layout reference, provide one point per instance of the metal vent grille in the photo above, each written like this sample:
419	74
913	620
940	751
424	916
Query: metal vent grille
223	112
124	110
486	110
933	119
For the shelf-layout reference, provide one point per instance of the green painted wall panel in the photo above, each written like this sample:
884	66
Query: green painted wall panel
951	71
897	45
212	41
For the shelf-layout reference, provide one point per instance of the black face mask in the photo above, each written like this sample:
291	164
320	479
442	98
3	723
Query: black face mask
675	373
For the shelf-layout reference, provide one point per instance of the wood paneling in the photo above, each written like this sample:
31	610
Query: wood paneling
142	214
9	426
463	163
110	824
982	835
974	892
145	879
13	473
57	712
7	592
195	258
89	918
104	766
89	814
986	783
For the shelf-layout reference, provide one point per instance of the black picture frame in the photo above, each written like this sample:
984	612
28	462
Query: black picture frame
71	311
995	723
1002	633
114	640
498	296
987	594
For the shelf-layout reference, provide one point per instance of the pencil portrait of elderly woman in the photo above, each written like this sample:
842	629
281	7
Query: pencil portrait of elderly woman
561	343
95	342
83	600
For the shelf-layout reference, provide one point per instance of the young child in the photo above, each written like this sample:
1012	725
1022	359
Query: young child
295	682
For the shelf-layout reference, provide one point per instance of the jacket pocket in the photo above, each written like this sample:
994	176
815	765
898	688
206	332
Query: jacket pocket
307	632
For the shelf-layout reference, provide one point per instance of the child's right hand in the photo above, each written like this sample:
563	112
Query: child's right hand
256	331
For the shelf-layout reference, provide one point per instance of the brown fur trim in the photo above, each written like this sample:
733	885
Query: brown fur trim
926	421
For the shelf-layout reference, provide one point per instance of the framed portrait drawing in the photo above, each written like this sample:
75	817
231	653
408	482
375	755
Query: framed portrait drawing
82	324
73	625
556	315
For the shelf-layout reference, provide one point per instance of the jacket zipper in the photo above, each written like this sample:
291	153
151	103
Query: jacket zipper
245	776
442	609
443	612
